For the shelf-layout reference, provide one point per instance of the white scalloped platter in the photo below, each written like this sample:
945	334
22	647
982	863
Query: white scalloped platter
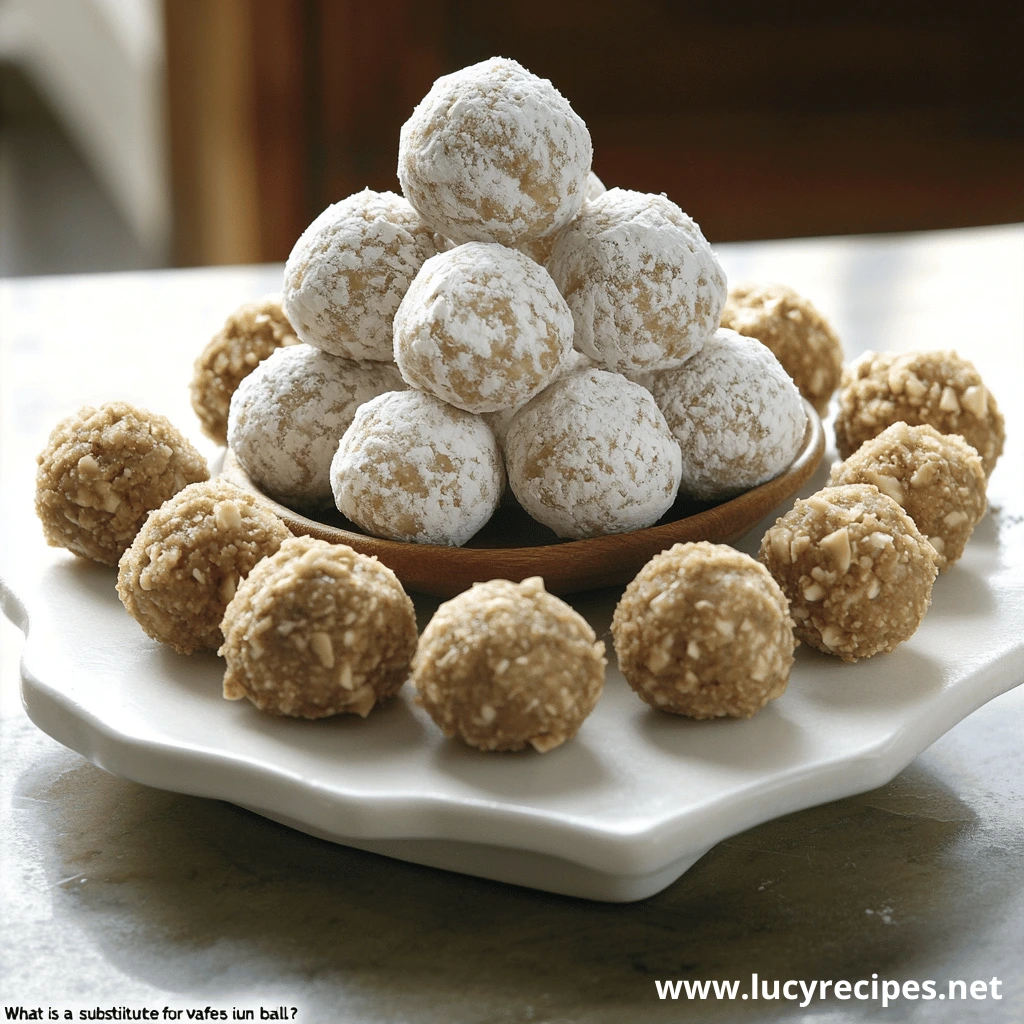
617	814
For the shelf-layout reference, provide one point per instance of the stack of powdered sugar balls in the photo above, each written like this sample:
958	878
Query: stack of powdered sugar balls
508	321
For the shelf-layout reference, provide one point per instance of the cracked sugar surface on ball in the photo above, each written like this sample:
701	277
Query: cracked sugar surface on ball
643	285
856	570
289	414
937	478
540	249
800	337
592	455
735	412
316	630
501	420
494	154
412	468
249	336
939	388
704	631
185	563
103	471
482	327
349	270
504	666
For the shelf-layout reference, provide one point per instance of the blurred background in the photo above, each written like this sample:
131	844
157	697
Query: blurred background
146	133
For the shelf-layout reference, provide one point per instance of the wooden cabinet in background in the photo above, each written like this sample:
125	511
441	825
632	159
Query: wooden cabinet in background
760	120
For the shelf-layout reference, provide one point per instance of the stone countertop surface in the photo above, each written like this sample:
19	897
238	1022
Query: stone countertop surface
113	894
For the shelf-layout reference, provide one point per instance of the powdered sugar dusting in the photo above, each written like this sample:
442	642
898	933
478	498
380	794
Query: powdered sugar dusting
501	420
540	249
593	455
642	282
350	269
494	154
482	327
412	468
736	413
287	416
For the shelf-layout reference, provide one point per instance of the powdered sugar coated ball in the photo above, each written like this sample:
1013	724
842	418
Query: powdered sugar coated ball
540	249
593	455
736	413
642	282
288	415
482	327
413	468
348	272
494	154
501	420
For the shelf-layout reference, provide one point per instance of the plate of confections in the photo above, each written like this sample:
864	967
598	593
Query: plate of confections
465	393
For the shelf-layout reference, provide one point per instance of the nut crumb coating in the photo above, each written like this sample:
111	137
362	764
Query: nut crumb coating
856	570
185	563
937	478
251	333
799	336
704	631
103	471
316	630
504	665
937	388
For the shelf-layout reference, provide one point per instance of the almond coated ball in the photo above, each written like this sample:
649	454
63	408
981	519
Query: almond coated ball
937	478
504	666
704	631
103	471
186	562
857	572
316	630
251	333
938	388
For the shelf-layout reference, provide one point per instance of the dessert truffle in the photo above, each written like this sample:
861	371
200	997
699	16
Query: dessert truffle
103	471
937	478
413	468
482	327
937	388
704	631
289	414
504	665
494	154
250	334
501	420
185	563
643	285
592	455
317	629
735	412
856	570
801	338
348	272
540	249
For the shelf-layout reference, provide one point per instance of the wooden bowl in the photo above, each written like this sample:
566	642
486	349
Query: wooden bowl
512	546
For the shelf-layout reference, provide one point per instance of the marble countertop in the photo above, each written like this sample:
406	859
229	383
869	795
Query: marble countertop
115	894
